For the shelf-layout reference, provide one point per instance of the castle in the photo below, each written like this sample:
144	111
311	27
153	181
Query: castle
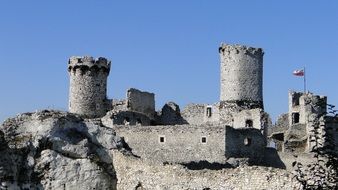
235	127
126	144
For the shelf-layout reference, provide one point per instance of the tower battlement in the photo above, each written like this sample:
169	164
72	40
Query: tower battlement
88	85
89	62
238	49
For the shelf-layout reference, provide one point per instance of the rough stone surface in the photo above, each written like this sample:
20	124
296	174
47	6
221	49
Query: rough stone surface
142	102
293	131
248	118
194	113
181	143
88	86
56	150
125	118
305	104
170	115
135	173
187	143
241	73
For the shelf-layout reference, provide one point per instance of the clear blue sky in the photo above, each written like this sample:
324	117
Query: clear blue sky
166	47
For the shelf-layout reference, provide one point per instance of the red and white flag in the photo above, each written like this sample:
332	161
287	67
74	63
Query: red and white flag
298	73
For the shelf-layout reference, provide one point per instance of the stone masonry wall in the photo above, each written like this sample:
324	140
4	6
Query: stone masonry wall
88	86
143	102
180	144
241	73
242	118
305	104
245	142
186	143
194	113
133	173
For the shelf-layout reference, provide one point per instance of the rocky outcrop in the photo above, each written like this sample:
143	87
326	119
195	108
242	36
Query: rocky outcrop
57	150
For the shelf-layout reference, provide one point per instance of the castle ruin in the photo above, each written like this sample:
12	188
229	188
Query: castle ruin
126	144
235	127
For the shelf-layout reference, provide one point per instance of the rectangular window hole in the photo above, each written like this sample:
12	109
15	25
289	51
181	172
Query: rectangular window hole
204	140
295	118
162	139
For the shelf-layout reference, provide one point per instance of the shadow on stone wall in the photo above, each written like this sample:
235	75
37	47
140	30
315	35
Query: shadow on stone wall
272	159
206	165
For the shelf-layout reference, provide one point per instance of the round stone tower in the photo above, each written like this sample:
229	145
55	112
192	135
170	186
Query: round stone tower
88	86
241	75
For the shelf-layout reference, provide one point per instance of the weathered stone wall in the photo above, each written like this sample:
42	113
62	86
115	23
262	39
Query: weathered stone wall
276	133
305	104
125	118
212	114
331	127
194	113
243	118
244	142
88	86
296	139
119	105
186	143
181	143
136	173
282	123
143	102
170	115
241	73
288	159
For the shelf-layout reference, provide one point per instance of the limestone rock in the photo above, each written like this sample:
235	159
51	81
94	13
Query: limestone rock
56	150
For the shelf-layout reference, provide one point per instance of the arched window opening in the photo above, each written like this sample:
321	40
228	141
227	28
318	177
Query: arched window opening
249	123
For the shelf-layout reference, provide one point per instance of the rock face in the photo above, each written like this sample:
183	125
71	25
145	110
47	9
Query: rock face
56	150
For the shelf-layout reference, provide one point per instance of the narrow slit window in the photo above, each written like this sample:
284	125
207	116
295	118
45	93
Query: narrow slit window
209	112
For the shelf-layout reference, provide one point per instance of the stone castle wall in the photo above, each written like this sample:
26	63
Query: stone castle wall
241	73
136	173
88	86
142	102
188	143
180	143
194	113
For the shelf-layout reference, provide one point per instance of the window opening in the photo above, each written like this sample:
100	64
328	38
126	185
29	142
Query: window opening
204	140
249	123
209	112
247	141
162	139
295	118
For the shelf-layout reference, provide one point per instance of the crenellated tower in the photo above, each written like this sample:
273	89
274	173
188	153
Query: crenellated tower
241	75
88	86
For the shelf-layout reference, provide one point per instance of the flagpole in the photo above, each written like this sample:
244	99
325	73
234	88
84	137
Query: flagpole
304	80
